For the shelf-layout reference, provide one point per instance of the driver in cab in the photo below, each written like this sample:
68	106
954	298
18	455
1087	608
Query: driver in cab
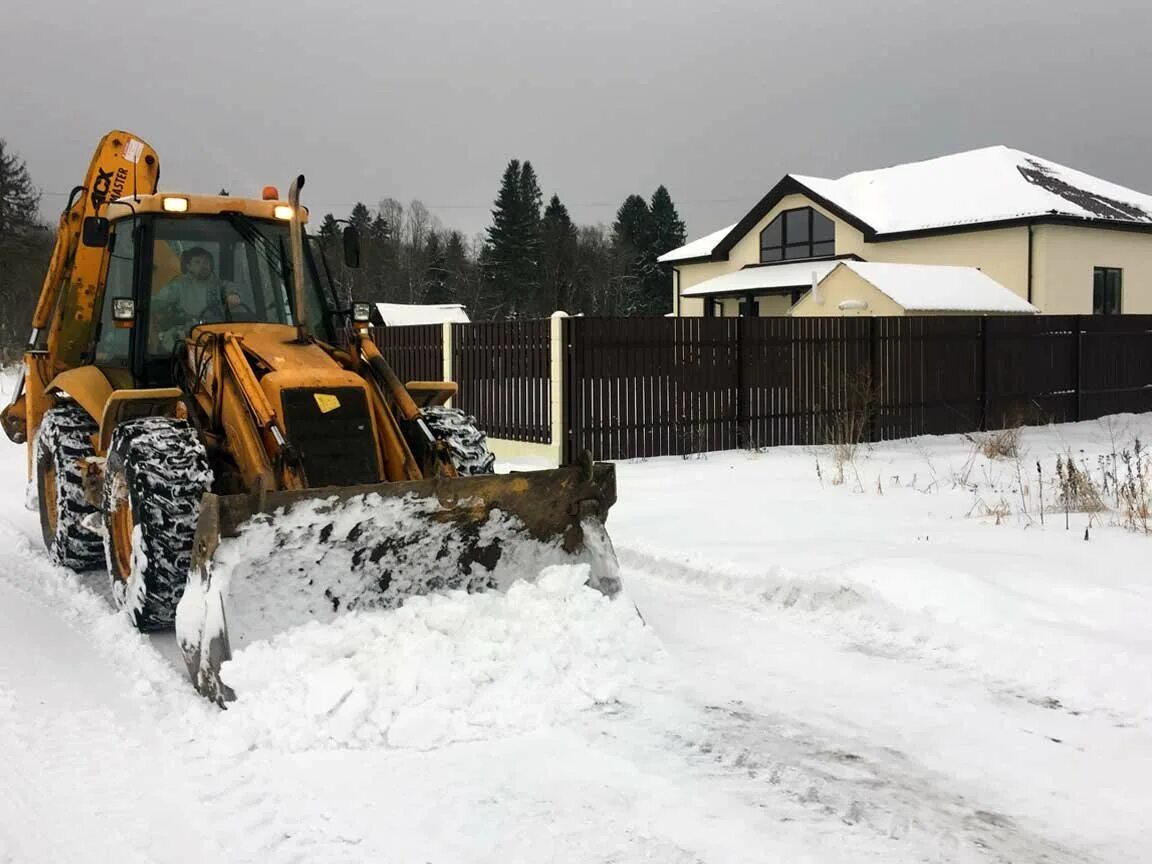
197	296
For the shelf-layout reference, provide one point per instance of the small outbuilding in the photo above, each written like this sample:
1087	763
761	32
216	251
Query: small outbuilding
874	288
850	287
401	314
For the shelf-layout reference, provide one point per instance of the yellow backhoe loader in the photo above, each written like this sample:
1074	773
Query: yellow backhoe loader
206	421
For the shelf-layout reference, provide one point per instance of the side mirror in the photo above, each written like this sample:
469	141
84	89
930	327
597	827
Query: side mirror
95	231
351	238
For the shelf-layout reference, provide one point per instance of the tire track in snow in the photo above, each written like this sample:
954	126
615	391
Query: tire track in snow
830	777
853	616
101	735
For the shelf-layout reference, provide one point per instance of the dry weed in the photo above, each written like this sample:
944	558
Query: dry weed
1002	444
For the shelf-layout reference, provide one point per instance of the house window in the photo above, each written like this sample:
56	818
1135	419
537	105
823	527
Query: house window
1106	291
797	234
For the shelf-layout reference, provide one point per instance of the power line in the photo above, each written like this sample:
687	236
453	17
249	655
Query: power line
491	204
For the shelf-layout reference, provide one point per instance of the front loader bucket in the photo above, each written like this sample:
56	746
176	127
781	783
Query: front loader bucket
263	564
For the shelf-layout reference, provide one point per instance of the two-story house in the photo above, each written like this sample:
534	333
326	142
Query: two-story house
994	230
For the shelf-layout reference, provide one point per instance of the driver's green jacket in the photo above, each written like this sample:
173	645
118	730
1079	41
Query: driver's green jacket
190	300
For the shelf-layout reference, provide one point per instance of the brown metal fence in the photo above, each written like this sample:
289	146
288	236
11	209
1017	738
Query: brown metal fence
416	351
636	387
504	372
651	387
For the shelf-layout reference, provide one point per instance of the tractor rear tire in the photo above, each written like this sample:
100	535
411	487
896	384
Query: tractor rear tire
156	475
63	442
467	445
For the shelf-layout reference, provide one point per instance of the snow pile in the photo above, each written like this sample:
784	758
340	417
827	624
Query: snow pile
442	668
317	559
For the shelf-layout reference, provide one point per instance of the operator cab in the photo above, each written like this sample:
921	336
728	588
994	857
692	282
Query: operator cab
182	269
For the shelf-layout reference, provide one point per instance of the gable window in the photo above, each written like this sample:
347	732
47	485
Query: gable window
797	234
1106	290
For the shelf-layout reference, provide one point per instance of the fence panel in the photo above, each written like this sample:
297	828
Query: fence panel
504	371
415	351
801	377
946	366
1115	365
651	386
890	353
1031	375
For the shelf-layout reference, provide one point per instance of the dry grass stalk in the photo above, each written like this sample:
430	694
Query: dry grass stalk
1134	490
1002	444
1076	492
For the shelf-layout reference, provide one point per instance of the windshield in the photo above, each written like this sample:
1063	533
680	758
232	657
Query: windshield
213	269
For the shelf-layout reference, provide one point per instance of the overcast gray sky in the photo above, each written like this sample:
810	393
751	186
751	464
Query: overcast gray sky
429	100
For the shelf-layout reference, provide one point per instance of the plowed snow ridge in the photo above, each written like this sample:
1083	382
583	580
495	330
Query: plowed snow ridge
441	669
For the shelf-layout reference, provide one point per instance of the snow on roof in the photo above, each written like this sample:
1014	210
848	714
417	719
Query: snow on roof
938	288
398	314
796	275
986	185
697	248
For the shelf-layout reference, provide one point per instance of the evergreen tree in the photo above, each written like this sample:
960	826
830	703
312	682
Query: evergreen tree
435	271
528	271
633	235
459	269
557	257
25	249
667	234
19	199
329	229
501	252
360	218
375	260
512	256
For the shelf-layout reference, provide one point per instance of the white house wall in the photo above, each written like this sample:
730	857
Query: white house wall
1065	255
1001	253
842	285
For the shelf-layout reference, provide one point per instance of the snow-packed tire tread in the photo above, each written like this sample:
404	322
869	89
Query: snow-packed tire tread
160	463
467	444
65	437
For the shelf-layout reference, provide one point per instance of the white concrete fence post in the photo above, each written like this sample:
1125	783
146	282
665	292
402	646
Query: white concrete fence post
556	399
446	347
529	451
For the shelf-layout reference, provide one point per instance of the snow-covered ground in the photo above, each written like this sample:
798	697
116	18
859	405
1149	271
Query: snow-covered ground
903	666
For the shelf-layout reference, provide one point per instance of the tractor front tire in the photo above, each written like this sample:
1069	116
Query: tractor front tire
63	442
467	445
156	474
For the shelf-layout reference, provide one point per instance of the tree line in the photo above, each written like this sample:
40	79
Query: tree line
25	249
531	261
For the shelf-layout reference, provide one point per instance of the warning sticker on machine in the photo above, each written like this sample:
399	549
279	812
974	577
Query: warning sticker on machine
326	402
133	149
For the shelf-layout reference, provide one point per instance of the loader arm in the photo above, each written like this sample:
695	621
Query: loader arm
123	165
262	414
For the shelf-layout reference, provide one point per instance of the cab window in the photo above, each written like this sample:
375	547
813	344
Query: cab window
112	342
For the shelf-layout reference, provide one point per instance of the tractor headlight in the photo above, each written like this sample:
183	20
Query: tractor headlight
361	312
282	211
123	308
176	205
